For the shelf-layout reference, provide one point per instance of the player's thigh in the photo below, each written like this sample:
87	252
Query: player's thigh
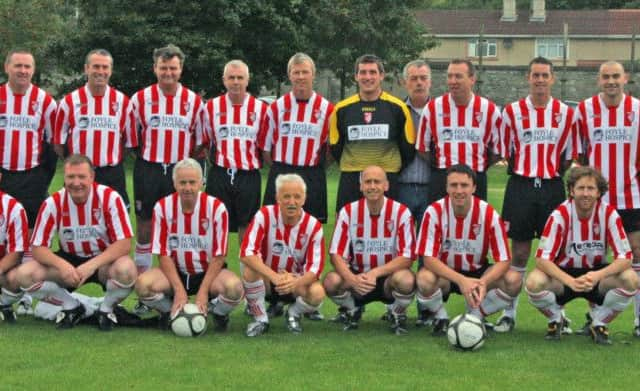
226	282
627	280
153	281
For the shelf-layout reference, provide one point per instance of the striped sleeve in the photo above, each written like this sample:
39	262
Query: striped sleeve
552	239
430	237
48	119
315	257
498	241
616	236
341	242
17	228
61	128
116	216
254	235
406	235
220	229
45	225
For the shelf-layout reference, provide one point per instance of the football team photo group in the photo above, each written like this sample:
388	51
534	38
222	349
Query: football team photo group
413	220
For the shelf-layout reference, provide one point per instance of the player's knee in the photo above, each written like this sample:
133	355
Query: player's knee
124	270
233	288
315	294
426	281
331	283
144	282
629	280
512	282
27	274
403	281
535	281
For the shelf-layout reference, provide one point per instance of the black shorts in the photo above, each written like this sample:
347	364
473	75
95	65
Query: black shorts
314	177
30	187
454	288
349	188
438	185
569	294
191	282
377	294
274	297
77	261
113	176
630	219
151	182
239	190
527	204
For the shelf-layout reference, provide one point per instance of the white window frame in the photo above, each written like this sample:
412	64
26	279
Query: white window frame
489	44
544	46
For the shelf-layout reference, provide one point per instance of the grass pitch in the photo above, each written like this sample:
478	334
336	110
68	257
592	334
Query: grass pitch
34	355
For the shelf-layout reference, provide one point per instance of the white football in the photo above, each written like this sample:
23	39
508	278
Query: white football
466	332
189	322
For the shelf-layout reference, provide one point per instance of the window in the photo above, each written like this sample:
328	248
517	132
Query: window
489	48
550	47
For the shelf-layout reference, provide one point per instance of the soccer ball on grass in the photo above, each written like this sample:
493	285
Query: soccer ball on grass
466	332
189	322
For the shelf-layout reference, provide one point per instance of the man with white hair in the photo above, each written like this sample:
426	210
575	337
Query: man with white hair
231	123
283	257
189	236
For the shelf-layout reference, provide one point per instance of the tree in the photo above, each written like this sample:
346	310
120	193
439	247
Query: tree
347	29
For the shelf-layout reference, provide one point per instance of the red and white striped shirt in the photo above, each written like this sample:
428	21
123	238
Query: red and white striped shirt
170	126
13	225
367	241
610	139
84	230
297	249
233	130
463	242
460	134
296	132
25	122
95	126
571	242
190	239
538	138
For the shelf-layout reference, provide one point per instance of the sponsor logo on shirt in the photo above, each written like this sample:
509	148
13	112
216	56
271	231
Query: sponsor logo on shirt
587	248
18	122
70	234
98	122
168	121
604	135
373	246
368	132
460	135
236	131
188	242
461	246
303	129
538	135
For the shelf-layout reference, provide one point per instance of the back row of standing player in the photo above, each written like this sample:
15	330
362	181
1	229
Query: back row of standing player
166	122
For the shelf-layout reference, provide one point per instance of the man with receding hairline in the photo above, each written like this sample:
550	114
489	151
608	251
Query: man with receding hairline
609	131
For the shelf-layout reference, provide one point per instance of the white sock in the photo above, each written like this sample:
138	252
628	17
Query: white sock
545	302
512	309
433	304
495	300
143	257
158	302
7	297
615	301
255	292
116	292
344	300
401	302
301	307
53	293
223	305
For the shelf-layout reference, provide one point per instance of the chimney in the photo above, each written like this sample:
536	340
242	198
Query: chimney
509	11
538	13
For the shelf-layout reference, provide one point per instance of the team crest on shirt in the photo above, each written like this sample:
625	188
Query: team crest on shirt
390	224
1	220
558	117
35	106
186	106
478	116
596	229
475	228
252	116
96	213
368	117
316	115
115	106
630	116
204	223
303	239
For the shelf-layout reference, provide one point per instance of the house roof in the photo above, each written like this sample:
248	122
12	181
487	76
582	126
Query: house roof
468	22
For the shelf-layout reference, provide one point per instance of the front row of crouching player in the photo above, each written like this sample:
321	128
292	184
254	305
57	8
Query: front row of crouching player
282	254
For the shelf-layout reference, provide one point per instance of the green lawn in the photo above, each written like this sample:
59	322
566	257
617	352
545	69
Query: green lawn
34	355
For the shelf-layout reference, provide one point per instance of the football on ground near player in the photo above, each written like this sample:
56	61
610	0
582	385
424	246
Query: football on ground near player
189	322
466	332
